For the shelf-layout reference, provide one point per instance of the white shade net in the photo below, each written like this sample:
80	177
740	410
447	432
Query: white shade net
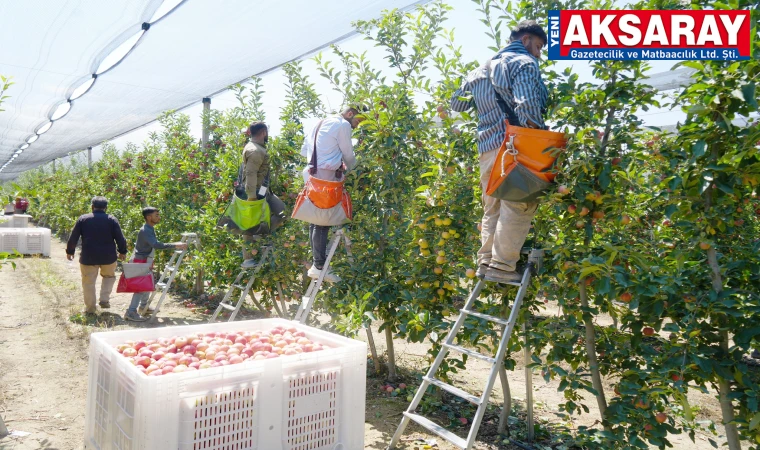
202	46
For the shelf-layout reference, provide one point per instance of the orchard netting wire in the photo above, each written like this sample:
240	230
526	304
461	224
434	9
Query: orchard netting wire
101	69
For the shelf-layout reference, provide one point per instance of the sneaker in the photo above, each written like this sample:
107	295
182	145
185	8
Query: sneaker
313	272
481	272
145	311
104	305
502	276
134	317
249	264
330	277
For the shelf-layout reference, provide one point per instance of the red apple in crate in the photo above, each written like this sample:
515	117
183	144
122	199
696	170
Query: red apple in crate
138	345
143	361
129	352
235	359
189	349
180	342
172	348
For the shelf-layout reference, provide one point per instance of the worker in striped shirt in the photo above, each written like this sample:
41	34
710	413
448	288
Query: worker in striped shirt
508	86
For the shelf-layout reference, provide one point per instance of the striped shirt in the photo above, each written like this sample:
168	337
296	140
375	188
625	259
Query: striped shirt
517	78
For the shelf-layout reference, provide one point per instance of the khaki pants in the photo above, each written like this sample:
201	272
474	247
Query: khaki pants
90	276
505	225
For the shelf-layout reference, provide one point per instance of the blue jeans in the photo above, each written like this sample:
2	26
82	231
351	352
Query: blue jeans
138	299
318	238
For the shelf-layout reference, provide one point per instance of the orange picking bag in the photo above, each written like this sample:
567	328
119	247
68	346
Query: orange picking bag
322	202
520	172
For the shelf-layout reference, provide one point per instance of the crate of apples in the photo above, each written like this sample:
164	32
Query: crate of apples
205	350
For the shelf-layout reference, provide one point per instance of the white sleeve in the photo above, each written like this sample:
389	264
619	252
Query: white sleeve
346	145
306	147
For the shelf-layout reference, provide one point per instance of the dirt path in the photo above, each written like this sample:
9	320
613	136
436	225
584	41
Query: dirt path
43	367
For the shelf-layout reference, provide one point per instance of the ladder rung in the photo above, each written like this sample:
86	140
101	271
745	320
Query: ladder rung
170	268
239	286
161	285
470	353
437	429
177	252
485	317
227	306
453	390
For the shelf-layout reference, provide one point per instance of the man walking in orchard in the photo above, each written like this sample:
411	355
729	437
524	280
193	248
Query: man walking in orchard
101	238
334	155
145	246
255	169
508	86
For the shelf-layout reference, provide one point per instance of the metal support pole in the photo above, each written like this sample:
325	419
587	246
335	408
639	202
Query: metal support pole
531	434
206	122
89	159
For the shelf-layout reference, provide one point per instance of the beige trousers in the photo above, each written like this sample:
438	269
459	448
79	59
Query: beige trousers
90	276
505	225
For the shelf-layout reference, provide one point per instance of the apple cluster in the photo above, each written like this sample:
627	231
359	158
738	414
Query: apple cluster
206	350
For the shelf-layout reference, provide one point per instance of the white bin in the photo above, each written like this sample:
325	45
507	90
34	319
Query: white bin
12	240
310	401
37	241
15	221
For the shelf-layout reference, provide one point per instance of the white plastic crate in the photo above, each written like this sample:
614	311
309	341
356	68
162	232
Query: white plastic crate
15	221
27	241
12	239
309	401
37	241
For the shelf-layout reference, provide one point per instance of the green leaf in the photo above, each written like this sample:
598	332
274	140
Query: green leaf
748	90
754	422
687	413
699	148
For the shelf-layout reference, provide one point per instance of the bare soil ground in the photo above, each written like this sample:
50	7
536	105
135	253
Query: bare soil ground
43	370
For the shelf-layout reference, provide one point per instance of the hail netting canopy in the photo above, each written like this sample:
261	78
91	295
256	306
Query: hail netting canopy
52	49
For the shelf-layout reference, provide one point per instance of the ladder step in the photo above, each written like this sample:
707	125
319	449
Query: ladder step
227	306
453	390
485	317
470	353
161	285
239	286
170	268
437	429
177	252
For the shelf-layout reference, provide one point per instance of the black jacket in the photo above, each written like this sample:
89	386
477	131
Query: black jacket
101	235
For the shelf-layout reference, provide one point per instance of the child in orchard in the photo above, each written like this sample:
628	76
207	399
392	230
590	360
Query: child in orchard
146	245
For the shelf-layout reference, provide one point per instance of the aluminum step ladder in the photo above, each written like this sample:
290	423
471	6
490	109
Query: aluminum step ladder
307	301
244	289
170	271
497	363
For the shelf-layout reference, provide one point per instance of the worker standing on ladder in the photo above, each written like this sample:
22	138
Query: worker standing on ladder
509	86
254	170
334	155
145	247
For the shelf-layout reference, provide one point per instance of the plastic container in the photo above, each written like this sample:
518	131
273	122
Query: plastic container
13	240
20	220
310	401
37	241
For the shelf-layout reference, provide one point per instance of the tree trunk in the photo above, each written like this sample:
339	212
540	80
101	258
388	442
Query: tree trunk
593	362
391	353
724	387
373	349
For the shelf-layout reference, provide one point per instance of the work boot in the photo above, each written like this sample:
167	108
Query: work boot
502	276
134	317
249	264
105	305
